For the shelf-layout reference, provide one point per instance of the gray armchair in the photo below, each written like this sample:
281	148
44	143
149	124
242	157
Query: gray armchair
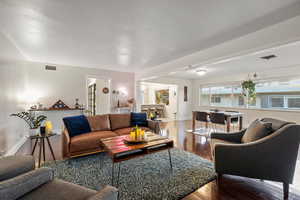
271	158
19	180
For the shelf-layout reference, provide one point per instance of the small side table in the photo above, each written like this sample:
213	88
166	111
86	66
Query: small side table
42	138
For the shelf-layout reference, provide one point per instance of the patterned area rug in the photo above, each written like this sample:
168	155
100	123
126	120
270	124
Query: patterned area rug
147	177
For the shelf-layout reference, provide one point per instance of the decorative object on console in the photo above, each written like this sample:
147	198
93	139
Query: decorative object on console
34	107
40	106
77	104
59	105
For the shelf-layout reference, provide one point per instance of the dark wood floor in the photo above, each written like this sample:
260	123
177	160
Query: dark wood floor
230	187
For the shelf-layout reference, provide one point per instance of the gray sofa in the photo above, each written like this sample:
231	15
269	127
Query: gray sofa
19	180
270	158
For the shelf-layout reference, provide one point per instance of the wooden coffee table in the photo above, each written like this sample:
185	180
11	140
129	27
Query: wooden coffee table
119	151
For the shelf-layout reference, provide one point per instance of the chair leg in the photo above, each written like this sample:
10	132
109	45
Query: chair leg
219	178
286	191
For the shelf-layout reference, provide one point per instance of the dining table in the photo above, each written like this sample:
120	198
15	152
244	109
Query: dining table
228	116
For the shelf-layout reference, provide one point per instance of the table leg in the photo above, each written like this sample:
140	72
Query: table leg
194	121
44	156
51	150
241	123
228	121
40	153
34	146
119	172
112	174
170	159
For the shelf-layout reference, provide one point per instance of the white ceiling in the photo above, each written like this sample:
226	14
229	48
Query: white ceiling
287	59
130	35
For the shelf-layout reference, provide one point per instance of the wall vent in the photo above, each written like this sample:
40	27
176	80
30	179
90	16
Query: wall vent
50	67
268	57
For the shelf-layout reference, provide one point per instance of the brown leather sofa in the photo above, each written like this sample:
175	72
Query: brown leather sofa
102	126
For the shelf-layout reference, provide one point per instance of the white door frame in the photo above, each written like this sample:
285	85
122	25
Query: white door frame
98	77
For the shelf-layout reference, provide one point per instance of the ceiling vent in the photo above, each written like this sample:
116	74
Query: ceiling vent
268	57
49	67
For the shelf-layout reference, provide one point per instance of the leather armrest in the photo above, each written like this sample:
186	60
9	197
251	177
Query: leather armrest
66	140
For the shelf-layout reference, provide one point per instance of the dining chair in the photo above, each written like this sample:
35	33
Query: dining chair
202	117
235	120
217	118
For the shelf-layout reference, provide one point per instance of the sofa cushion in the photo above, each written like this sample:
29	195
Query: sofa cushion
139	119
126	131
120	121
77	125
257	130
89	140
58	189
99	122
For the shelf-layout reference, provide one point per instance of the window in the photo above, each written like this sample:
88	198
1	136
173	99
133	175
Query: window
269	95
204	96
215	99
241	100
276	102
293	102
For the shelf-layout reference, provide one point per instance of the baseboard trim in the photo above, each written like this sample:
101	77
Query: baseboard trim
13	150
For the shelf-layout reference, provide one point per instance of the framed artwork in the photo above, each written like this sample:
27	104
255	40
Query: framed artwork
185	91
162	97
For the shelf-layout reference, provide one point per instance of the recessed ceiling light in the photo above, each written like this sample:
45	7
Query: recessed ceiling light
201	72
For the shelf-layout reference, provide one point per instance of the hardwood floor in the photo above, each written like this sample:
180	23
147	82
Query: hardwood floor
229	188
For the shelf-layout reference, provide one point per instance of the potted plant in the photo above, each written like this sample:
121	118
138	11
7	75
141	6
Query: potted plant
33	122
248	90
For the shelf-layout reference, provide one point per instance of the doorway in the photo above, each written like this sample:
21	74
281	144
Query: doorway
98	95
156	95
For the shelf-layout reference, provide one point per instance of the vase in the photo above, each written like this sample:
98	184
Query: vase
33	131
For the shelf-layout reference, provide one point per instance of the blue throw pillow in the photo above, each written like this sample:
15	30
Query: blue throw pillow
77	125
139	119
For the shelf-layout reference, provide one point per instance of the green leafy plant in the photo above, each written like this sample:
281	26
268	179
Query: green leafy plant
248	88
32	121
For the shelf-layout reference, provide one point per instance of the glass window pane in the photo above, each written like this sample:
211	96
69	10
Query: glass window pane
204	96
294	102
277	102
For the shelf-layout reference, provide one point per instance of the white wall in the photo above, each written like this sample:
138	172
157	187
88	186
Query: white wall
24	83
184	109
